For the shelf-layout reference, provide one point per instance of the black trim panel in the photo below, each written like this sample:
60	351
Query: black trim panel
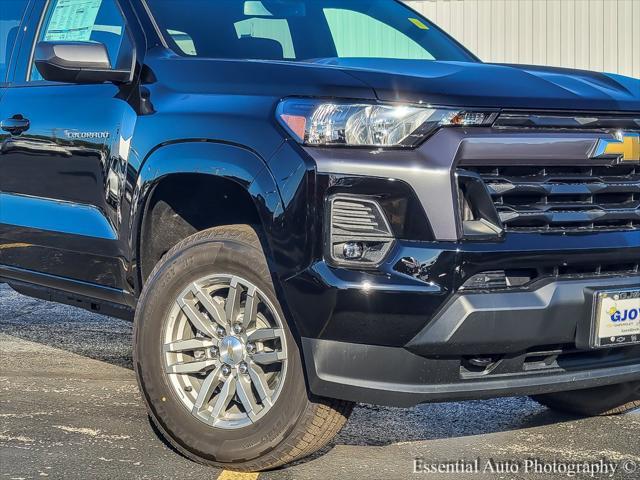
75	287
395	377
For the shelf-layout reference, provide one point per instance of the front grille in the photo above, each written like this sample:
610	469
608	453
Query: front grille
563	198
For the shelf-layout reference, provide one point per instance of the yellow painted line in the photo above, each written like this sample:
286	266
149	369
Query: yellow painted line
14	245
227	475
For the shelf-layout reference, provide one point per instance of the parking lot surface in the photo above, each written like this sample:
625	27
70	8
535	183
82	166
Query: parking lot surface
70	409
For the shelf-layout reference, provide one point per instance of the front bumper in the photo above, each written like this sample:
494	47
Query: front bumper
395	377
532	342
405	333
395	338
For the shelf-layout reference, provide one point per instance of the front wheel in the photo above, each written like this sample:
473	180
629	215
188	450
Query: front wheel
218	366
599	401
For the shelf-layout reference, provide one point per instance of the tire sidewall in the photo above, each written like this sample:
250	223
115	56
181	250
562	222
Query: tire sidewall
209	443
606	400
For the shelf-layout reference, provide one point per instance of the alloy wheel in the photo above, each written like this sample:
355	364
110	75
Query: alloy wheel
225	351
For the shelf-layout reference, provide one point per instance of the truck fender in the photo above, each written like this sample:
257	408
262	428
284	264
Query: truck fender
232	162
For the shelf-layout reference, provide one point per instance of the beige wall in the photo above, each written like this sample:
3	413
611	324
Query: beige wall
599	35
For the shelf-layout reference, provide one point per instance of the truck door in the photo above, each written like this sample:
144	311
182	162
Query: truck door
13	16
64	154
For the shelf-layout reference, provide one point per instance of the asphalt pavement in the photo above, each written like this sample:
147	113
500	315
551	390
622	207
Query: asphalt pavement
70	409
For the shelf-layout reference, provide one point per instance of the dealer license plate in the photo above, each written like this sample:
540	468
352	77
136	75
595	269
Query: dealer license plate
616	319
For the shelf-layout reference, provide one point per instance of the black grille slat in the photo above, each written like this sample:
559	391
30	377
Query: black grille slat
569	217
511	188
564	198
356	217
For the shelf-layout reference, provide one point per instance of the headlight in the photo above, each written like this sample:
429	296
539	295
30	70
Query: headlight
320	123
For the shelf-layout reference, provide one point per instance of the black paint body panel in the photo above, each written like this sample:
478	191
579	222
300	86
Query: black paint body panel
75	188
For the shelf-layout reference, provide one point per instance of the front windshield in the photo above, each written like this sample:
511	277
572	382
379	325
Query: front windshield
302	30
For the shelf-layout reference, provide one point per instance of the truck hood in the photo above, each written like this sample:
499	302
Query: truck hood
493	85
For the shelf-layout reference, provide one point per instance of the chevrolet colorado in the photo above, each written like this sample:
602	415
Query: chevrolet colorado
305	204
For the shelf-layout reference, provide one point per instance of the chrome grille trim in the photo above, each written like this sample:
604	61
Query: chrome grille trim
564	120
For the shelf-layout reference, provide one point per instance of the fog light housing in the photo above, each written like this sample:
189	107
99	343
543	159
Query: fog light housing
359	233
353	250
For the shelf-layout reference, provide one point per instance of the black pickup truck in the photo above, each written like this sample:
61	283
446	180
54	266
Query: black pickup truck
305	204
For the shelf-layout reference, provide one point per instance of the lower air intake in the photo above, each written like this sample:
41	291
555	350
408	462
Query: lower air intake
359	232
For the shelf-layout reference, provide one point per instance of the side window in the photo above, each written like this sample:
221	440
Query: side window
347	28
12	13
87	21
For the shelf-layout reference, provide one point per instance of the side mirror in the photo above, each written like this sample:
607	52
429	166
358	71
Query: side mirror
77	62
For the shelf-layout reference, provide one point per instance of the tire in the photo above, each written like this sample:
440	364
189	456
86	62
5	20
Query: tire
600	401
295	424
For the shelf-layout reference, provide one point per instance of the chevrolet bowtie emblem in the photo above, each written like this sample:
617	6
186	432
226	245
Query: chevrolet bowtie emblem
626	147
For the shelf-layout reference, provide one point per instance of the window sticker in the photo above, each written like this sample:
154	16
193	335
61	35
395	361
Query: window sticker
183	41
418	24
276	29
256	9
73	20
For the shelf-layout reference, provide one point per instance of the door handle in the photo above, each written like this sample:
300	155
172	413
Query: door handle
15	125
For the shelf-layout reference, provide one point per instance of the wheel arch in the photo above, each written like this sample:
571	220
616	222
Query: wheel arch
218	170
